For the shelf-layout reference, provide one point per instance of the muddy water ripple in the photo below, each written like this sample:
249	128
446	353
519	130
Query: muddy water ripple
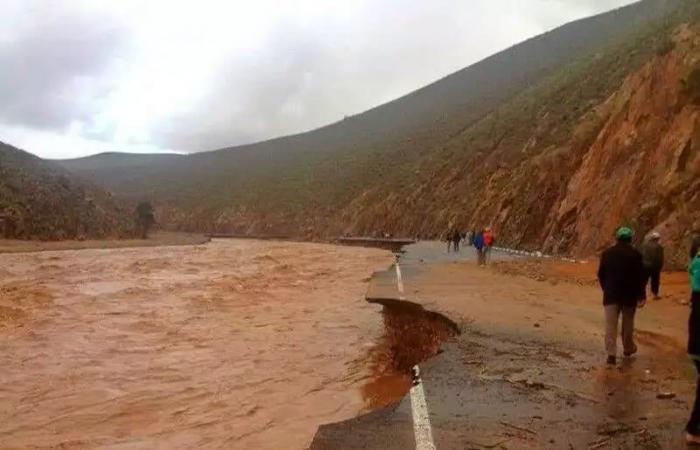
236	344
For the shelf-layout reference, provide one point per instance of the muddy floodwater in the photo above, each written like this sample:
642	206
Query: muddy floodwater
234	344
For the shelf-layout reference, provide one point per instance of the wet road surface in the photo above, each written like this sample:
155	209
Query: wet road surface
235	344
527	371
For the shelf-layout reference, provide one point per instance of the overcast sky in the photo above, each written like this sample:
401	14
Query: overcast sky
79	77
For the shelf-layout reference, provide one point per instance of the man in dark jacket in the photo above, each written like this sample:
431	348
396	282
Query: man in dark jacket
653	258
622	277
456	238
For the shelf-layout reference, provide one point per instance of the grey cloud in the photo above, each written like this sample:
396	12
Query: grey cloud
60	66
54	66
309	78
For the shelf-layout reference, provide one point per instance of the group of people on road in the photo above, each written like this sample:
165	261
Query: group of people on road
624	273
482	241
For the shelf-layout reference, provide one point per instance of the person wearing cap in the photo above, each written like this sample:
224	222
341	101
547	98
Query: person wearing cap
653	258
622	278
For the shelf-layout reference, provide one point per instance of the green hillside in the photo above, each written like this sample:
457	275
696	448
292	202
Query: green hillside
40	200
433	157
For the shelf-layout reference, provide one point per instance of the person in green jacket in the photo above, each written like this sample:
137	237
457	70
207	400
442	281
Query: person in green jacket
693	427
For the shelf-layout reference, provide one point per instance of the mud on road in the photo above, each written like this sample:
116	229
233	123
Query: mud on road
528	369
234	344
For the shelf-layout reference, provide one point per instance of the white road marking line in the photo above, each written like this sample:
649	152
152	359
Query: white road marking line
399	281
422	431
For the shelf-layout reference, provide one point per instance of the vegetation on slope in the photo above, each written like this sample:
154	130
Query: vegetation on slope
530	168
39	200
302	184
554	142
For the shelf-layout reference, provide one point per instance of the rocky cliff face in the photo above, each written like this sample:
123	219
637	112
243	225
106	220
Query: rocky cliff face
642	167
562	176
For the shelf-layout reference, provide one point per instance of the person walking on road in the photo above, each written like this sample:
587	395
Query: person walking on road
693	426
489	240
456	239
469	239
622	278
448	239
479	246
653	258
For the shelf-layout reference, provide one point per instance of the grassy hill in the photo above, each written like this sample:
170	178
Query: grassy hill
468	149
40	200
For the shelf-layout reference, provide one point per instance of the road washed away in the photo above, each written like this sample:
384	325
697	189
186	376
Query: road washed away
234	344
527	369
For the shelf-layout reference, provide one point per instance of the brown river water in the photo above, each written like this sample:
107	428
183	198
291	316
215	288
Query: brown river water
234	344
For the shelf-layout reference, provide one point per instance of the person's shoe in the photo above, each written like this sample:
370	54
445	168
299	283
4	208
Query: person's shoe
692	439
630	354
612	360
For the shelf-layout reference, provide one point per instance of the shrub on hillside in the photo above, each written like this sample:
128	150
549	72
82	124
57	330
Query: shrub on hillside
692	84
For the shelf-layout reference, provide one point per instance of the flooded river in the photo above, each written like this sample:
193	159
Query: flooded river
234	344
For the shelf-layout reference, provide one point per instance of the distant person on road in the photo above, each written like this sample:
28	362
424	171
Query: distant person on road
456	238
489	240
448	239
693	427
622	278
653	257
479	246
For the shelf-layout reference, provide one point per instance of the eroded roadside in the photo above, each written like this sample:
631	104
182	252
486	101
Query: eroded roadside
528	369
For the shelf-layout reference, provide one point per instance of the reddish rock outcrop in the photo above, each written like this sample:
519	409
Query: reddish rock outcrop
642	167
566	173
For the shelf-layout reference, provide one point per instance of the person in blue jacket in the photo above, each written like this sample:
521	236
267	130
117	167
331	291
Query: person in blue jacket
480	250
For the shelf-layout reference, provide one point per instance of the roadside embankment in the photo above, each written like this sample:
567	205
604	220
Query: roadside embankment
157	239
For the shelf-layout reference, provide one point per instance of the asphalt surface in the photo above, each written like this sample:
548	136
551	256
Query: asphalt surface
522	387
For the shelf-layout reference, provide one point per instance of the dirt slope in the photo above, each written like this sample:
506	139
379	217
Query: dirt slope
40	200
645	158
